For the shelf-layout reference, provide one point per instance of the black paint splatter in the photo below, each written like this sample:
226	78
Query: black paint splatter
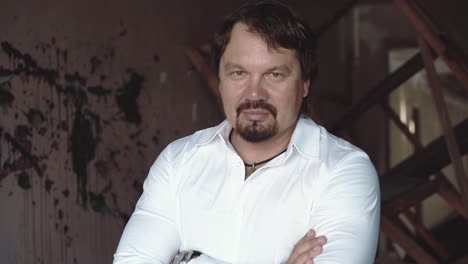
123	32
48	184
138	186
25	152
127	97
24	180
22	133
76	96
6	97
28	66
99	90
141	144
65	56
95	64
155	140
136	134
75	78
98	201
156	58
62	125
85	132
83	151
35	118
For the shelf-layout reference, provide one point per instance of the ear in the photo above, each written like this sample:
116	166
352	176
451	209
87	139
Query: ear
306	86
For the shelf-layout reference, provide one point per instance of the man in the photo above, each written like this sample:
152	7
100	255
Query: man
267	185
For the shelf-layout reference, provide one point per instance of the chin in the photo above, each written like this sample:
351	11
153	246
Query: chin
256	131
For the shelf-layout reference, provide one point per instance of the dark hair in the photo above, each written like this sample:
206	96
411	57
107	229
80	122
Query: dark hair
279	27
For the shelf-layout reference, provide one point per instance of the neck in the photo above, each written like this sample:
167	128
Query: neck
252	152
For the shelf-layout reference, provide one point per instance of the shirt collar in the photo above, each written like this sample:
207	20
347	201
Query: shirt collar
305	138
222	130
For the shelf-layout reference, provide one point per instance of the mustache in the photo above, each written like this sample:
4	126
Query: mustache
248	104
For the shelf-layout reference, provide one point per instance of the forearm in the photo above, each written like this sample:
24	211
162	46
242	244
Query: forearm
147	239
353	242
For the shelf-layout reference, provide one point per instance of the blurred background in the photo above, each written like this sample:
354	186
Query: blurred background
92	91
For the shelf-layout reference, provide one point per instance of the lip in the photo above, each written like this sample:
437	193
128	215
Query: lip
256	114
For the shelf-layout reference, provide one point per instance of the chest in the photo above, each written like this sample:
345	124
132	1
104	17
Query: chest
254	221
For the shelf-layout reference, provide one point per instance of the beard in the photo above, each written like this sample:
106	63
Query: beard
256	131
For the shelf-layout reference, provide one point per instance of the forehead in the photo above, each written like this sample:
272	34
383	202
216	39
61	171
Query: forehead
247	46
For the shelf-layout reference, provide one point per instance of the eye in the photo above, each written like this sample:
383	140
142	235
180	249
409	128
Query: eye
237	74
275	76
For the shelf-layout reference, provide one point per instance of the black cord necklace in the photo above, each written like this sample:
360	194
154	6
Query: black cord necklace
263	161
252	166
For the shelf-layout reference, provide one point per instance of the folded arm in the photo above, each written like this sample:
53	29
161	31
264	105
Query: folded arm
348	213
151	235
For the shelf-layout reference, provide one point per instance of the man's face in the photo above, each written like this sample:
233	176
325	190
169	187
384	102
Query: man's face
261	87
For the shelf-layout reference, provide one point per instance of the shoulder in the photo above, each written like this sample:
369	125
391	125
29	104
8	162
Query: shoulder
333	156
182	148
315	142
349	169
334	150
347	176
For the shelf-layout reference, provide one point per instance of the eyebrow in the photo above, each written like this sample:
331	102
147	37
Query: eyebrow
283	67
229	66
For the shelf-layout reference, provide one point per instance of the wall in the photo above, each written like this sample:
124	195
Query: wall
91	92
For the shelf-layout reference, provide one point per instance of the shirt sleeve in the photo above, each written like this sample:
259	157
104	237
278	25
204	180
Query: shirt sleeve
348	212
151	235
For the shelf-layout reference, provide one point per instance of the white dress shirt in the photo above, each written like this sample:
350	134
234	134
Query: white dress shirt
195	198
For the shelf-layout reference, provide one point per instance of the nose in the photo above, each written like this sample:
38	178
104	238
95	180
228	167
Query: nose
256	89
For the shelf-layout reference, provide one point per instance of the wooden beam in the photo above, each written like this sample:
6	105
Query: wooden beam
441	184
405	241
408	199
336	17
453	61
403	128
420	229
450	194
378	93
438	96
204	69
415	169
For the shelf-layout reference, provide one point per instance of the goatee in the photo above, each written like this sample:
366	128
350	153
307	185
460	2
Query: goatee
256	131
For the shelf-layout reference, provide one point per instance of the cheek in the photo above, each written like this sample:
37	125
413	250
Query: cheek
288	106
229	105
230	96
